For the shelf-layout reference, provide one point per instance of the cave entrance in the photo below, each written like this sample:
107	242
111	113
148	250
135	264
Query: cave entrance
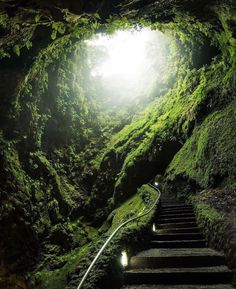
127	67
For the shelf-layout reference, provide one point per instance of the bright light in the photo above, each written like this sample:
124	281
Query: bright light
154	227
124	66
124	259
156	184
125	51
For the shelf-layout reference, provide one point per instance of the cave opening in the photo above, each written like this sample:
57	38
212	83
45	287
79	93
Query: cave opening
126	65
124	71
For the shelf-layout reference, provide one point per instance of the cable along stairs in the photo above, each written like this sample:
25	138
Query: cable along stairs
178	256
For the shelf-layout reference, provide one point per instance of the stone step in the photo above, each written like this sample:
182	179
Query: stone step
179	244
165	258
176	206
183	224
179	230
180	286
177	257
172	208
172	203
174	216
200	275
176	220
177	236
176	211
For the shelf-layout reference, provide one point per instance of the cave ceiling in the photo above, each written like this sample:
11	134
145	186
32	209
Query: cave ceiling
161	10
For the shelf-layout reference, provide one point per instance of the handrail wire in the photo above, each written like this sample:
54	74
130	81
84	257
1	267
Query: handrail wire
113	234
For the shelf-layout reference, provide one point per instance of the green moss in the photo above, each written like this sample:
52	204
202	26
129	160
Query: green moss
172	118
208	155
54	270
56	279
57	262
134	206
209	213
218	227
227	38
61	189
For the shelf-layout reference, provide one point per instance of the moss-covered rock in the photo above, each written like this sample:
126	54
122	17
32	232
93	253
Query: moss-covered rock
219	226
208	156
108	270
58	269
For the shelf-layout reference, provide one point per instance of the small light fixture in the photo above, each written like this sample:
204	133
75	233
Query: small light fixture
154	227
156	184
124	259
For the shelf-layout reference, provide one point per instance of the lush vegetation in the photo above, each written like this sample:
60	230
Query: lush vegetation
217	220
56	270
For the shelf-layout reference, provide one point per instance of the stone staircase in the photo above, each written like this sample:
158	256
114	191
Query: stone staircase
178	256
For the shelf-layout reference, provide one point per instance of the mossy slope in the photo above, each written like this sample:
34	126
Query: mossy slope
208	156
188	111
66	270
216	217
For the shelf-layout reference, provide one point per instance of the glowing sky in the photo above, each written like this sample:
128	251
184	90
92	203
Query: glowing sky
128	60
